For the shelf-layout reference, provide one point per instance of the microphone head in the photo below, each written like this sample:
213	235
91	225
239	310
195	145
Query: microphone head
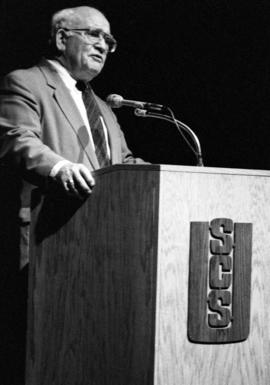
114	100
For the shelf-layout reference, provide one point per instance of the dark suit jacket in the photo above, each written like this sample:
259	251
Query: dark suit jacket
41	125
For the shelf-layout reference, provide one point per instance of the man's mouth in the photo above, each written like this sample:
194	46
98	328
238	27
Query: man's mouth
97	58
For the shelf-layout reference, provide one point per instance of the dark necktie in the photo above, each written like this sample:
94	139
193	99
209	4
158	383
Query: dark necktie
94	114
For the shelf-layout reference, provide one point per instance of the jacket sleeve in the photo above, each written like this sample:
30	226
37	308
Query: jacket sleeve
127	156
21	129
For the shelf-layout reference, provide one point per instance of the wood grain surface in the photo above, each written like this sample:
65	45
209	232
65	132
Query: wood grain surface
199	195
93	284
109	280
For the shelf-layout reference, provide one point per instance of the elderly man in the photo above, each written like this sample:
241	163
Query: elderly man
53	128
54	131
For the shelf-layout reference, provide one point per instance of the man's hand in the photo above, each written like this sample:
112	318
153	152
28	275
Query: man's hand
76	179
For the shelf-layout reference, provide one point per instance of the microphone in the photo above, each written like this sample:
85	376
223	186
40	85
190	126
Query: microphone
117	101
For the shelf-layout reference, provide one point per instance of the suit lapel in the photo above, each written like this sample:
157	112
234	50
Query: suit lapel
70	110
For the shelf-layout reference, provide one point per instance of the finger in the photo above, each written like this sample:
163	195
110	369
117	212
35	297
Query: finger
76	179
67	183
72	189
87	176
64	176
80	183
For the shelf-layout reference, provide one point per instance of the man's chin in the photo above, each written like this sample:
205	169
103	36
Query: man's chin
95	69
89	74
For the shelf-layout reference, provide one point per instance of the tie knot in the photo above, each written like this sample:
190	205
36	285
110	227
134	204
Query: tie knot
81	86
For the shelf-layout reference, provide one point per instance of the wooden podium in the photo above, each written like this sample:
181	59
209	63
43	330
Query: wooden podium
130	286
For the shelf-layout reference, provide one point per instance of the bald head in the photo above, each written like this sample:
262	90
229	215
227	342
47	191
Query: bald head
72	18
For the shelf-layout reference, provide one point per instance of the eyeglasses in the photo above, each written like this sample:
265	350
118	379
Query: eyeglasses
93	36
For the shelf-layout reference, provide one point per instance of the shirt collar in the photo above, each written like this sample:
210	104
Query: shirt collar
69	81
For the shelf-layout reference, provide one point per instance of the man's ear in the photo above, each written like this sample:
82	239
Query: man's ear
60	40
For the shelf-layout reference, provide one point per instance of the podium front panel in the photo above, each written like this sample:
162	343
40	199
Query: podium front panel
109	280
189	195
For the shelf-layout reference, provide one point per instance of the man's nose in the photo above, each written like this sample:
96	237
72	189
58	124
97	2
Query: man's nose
101	45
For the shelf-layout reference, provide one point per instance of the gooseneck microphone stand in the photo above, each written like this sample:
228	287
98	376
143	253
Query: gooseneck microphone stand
181	127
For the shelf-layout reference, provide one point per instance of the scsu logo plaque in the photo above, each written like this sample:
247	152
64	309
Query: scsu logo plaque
219	281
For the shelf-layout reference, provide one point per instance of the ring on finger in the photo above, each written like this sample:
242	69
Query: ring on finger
70	183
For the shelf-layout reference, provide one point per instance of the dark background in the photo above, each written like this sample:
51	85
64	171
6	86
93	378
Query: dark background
207	59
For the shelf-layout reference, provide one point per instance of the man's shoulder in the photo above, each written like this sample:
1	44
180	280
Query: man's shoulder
25	77
22	73
32	75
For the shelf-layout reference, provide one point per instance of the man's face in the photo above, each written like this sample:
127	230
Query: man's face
85	60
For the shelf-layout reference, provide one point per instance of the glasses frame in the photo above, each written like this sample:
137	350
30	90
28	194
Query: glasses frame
108	38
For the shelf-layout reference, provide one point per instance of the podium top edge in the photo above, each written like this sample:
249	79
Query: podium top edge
183	169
